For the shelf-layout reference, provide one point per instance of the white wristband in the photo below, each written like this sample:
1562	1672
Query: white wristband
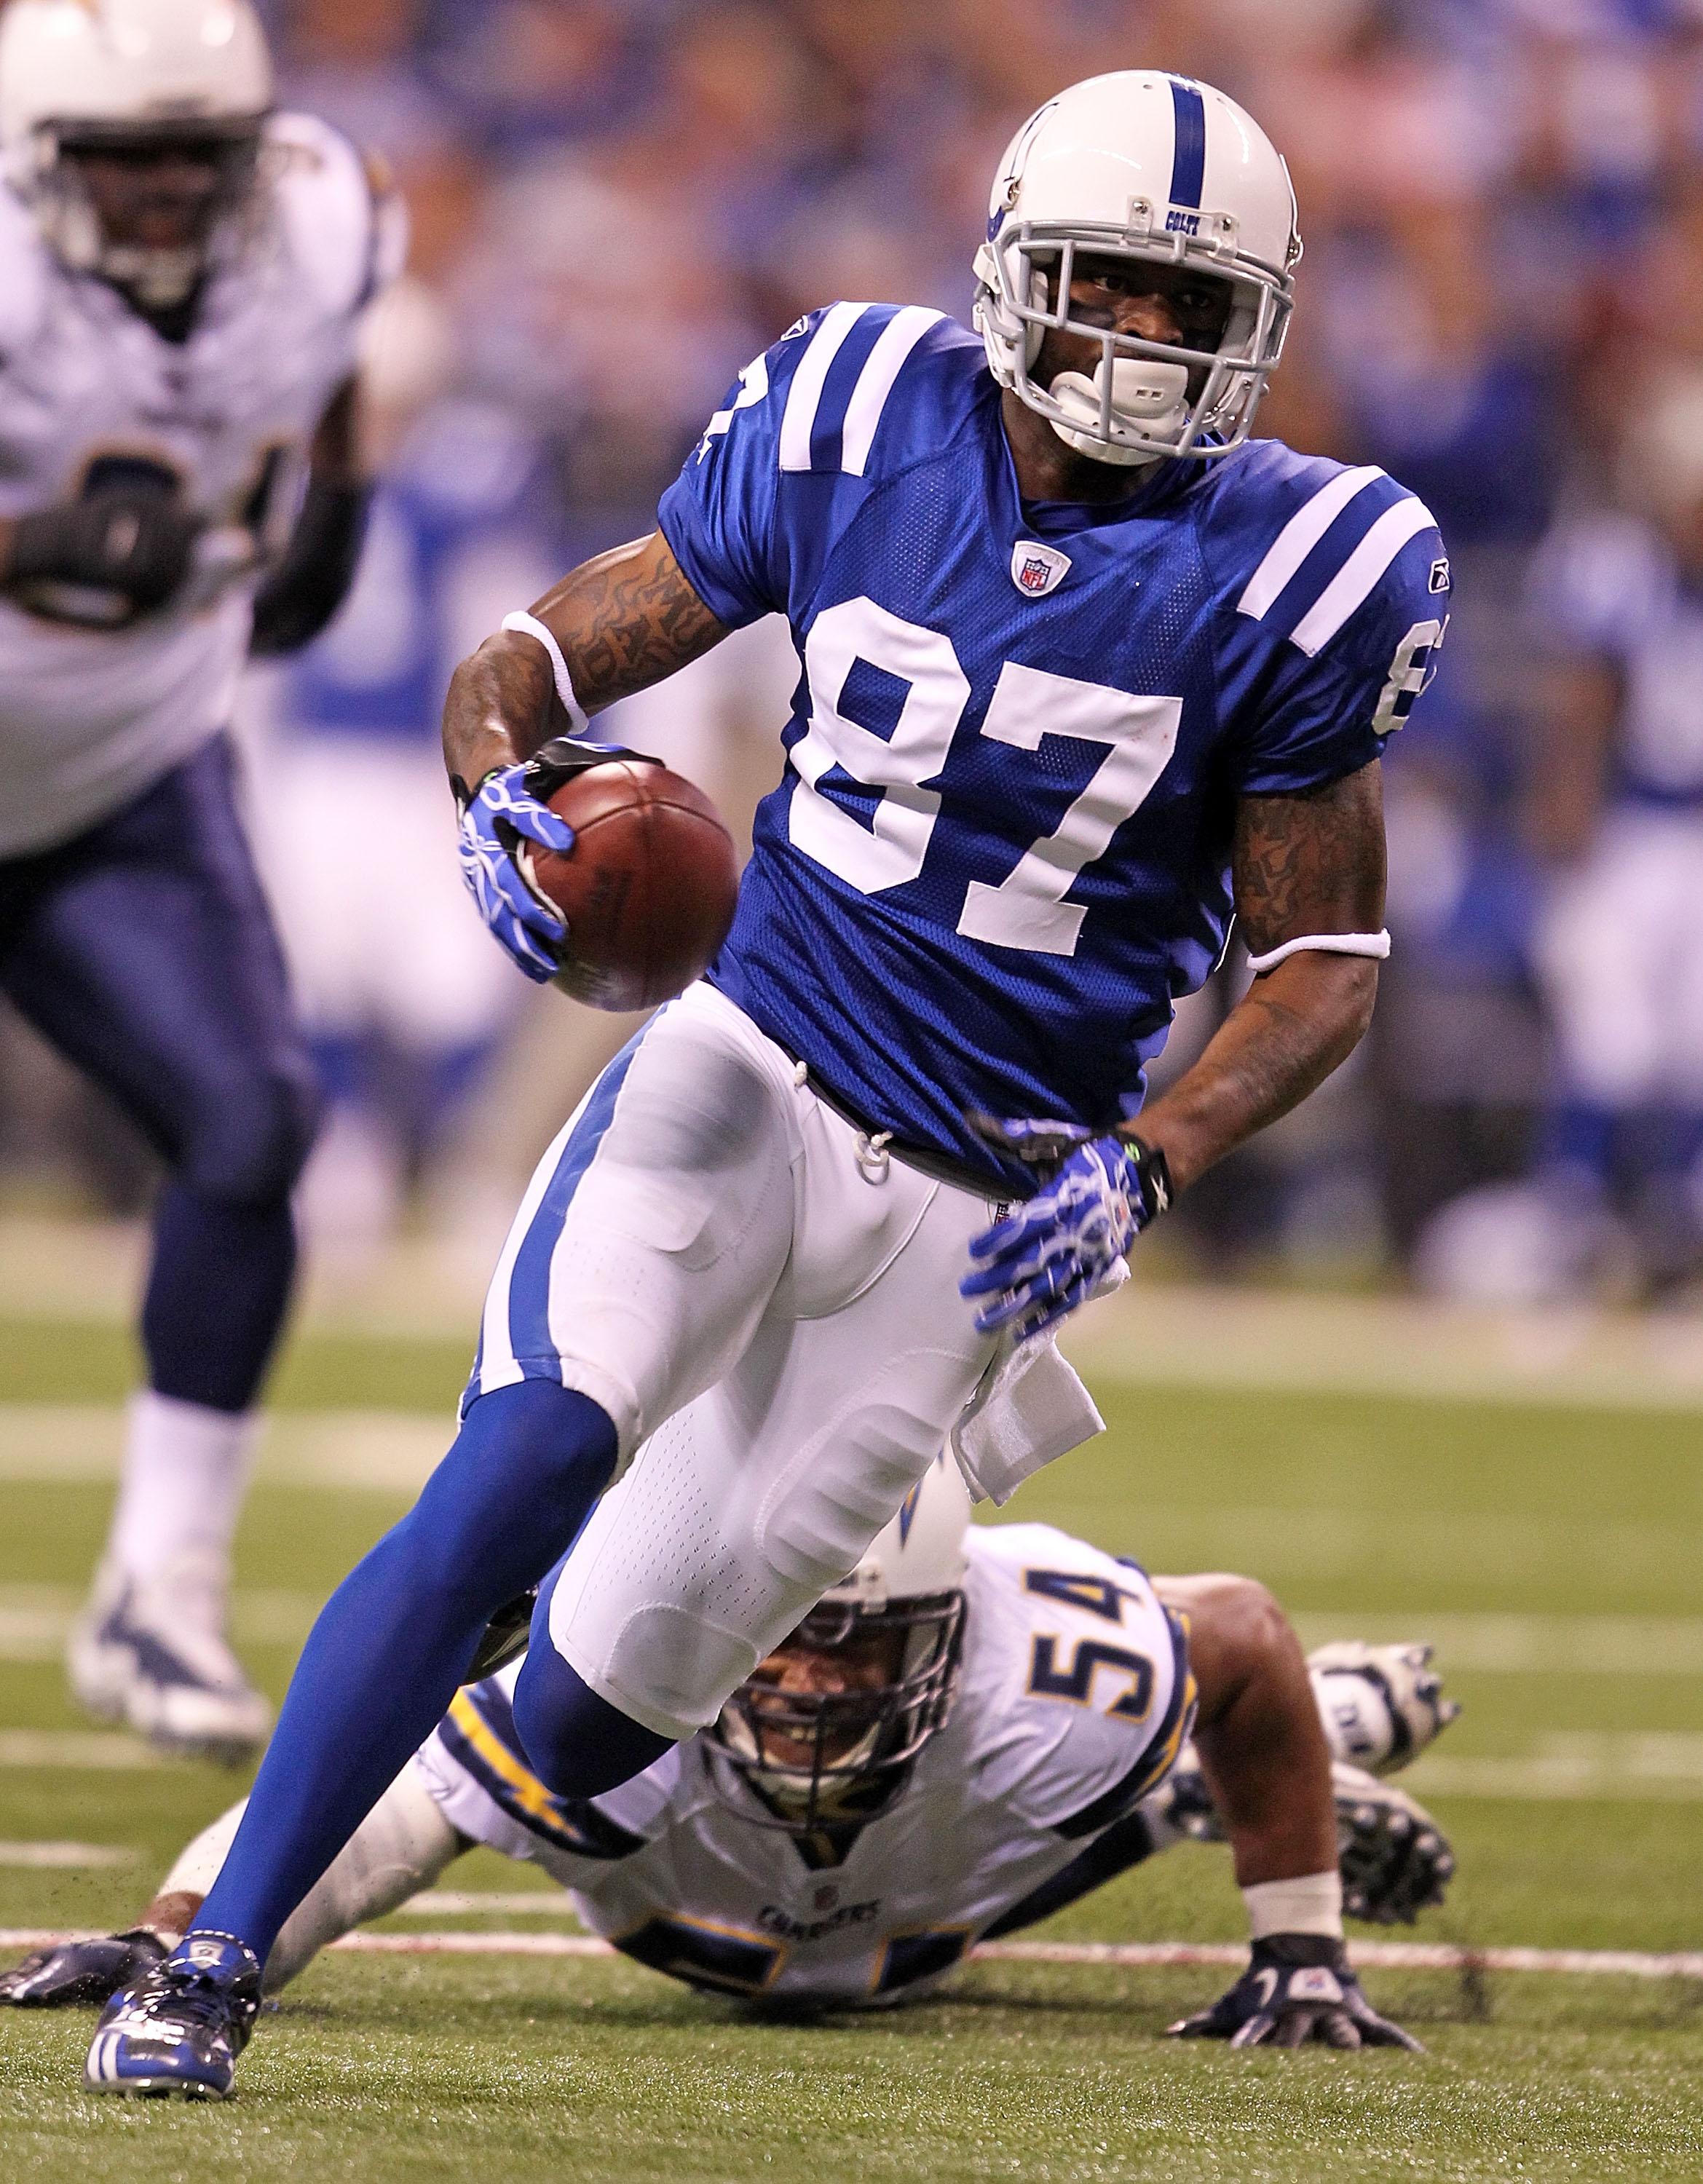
1324	944
1313	1905
528	625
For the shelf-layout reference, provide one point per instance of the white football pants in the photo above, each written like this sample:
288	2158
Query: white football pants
1620	952
770	1314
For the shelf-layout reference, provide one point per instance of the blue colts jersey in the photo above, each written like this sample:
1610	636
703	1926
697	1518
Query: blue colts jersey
1000	850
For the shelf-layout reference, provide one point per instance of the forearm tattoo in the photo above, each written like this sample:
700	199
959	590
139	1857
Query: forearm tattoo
1304	864
624	619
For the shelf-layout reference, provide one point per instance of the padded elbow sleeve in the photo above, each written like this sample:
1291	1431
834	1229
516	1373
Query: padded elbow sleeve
312	580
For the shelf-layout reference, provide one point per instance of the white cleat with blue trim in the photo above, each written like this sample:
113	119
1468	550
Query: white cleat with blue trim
154	1656
175	2032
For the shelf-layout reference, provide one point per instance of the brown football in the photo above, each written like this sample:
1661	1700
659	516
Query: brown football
648	889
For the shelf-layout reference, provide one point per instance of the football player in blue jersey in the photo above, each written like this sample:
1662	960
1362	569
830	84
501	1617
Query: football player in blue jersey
1084	672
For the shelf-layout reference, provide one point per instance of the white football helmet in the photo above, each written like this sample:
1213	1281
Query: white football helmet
838	1755
1143	165
125	76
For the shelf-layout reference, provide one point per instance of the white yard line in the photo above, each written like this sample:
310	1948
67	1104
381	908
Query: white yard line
1193	1333
387	1451
1376	1956
1639	1766
1527	1645
68	1855
86	1750
1203	1336
471	1902
36	1619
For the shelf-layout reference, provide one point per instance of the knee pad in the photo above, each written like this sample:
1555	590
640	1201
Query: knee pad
249	1142
579	1746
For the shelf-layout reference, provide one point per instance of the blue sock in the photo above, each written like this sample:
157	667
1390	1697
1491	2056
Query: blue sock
578	1744
396	1638
216	1297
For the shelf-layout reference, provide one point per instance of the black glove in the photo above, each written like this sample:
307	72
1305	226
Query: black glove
134	544
81	1973
1296	1987
504	1639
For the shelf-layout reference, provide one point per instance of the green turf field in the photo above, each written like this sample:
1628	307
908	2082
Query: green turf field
1556	1549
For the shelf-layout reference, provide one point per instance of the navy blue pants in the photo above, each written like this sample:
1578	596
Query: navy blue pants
144	952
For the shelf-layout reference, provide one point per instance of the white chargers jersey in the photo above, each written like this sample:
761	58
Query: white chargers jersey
1074	1701
1609	585
89	717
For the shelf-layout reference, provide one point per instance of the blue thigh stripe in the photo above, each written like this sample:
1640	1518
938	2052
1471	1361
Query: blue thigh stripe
1188	157
529	1281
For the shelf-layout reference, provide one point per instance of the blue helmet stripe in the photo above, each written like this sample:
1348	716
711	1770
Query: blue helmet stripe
1188	159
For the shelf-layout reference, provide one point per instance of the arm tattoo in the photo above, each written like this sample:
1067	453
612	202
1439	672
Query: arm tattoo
1312	862
623	619
1304	864
626	619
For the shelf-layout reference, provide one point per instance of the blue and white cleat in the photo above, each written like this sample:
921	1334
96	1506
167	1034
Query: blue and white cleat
154	1656
177	2030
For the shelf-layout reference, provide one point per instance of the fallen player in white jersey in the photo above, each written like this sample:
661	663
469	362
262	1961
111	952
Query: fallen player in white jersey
978	1726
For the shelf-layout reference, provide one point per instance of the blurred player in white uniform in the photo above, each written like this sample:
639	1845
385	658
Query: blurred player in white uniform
1619	941
182	275
973	1729
460	521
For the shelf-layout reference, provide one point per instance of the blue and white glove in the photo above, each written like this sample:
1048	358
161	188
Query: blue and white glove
496	817
1051	1254
1297	1988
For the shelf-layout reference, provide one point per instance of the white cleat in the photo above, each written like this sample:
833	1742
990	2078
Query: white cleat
1380	1705
153	1656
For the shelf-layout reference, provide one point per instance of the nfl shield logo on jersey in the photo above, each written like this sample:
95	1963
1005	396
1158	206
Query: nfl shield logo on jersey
1036	569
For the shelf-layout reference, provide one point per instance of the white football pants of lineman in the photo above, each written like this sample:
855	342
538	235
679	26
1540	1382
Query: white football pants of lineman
1620	952
772	1322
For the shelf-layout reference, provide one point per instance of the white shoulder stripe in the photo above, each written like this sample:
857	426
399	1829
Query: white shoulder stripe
804	393
898	338
1360	572
1299	536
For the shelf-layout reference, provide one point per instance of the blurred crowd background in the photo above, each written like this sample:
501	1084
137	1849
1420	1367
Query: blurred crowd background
616	203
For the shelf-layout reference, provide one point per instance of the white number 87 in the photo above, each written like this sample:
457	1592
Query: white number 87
1027	909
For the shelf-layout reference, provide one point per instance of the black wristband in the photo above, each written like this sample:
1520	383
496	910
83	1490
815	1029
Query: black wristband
1300	1950
1154	1176
563	756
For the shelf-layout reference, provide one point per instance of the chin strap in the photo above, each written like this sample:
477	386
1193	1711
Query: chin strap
1146	396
